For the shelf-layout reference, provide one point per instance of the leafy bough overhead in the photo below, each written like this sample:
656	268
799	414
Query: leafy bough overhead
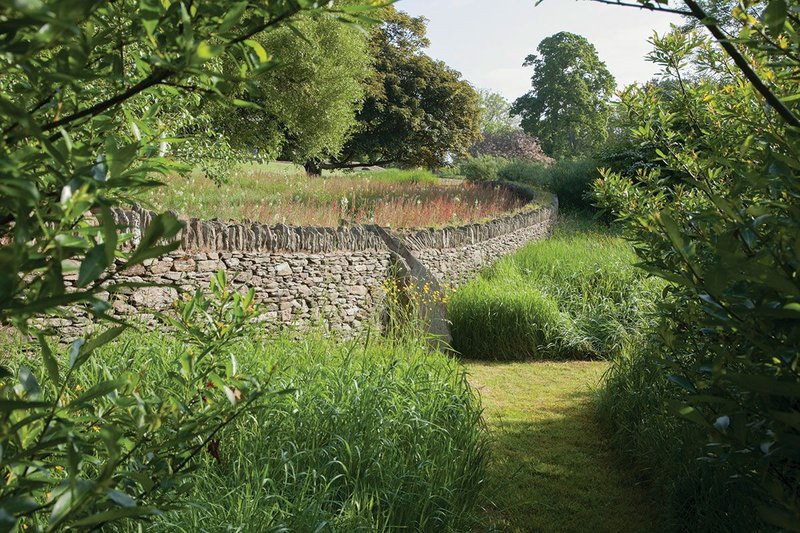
87	90
82	93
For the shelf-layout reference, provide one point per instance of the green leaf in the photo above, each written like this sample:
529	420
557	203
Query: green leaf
163	227
774	16
119	158
28	382
766	385
101	389
16	405
84	349
75	351
683	383
72	493
206	51
110	235
7	520
93	265
263	57
121	499
233	16
689	413
50	362
115	514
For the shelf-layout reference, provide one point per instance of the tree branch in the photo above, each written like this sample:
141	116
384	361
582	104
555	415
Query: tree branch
648	7
742	63
155	77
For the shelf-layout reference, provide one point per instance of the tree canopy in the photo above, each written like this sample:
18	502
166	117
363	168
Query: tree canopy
568	107
417	110
308	104
496	113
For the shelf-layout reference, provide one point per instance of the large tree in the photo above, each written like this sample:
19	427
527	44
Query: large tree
302	108
417	110
568	107
312	100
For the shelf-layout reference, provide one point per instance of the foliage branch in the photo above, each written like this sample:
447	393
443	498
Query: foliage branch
85	86
718	218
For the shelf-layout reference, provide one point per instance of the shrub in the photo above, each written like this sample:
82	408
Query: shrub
89	437
693	494
482	168
719	219
571	181
572	296
512	145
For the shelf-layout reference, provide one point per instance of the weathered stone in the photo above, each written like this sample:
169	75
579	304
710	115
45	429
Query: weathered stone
160	267
184	264
359	290
283	269
208	266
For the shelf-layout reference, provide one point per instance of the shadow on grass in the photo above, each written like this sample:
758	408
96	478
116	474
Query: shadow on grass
554	470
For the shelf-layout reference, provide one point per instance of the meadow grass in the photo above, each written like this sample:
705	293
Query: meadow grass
552	468
279	193
371	436
575	295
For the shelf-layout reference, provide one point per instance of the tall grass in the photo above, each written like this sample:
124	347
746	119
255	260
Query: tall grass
367	436
668	452
576	295
393	197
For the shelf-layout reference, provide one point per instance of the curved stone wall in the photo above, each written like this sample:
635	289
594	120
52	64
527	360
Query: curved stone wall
306	275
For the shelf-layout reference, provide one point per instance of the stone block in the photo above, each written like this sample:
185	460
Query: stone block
209	265
184	264
358	290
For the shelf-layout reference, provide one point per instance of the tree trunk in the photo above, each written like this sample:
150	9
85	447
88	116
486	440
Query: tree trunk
313	168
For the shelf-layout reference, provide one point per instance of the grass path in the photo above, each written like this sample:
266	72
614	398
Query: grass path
552	469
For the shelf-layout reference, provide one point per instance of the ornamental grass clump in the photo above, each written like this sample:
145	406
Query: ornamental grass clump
576	295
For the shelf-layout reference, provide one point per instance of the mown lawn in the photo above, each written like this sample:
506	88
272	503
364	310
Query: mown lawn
552	468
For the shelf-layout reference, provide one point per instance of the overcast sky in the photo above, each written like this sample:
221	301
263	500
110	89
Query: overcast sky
487	40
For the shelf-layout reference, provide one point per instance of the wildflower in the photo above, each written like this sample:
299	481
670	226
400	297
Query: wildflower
59	468
78	387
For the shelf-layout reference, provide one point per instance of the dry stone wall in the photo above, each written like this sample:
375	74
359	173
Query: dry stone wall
308	275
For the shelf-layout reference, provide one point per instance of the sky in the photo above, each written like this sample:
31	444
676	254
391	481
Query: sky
488	40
